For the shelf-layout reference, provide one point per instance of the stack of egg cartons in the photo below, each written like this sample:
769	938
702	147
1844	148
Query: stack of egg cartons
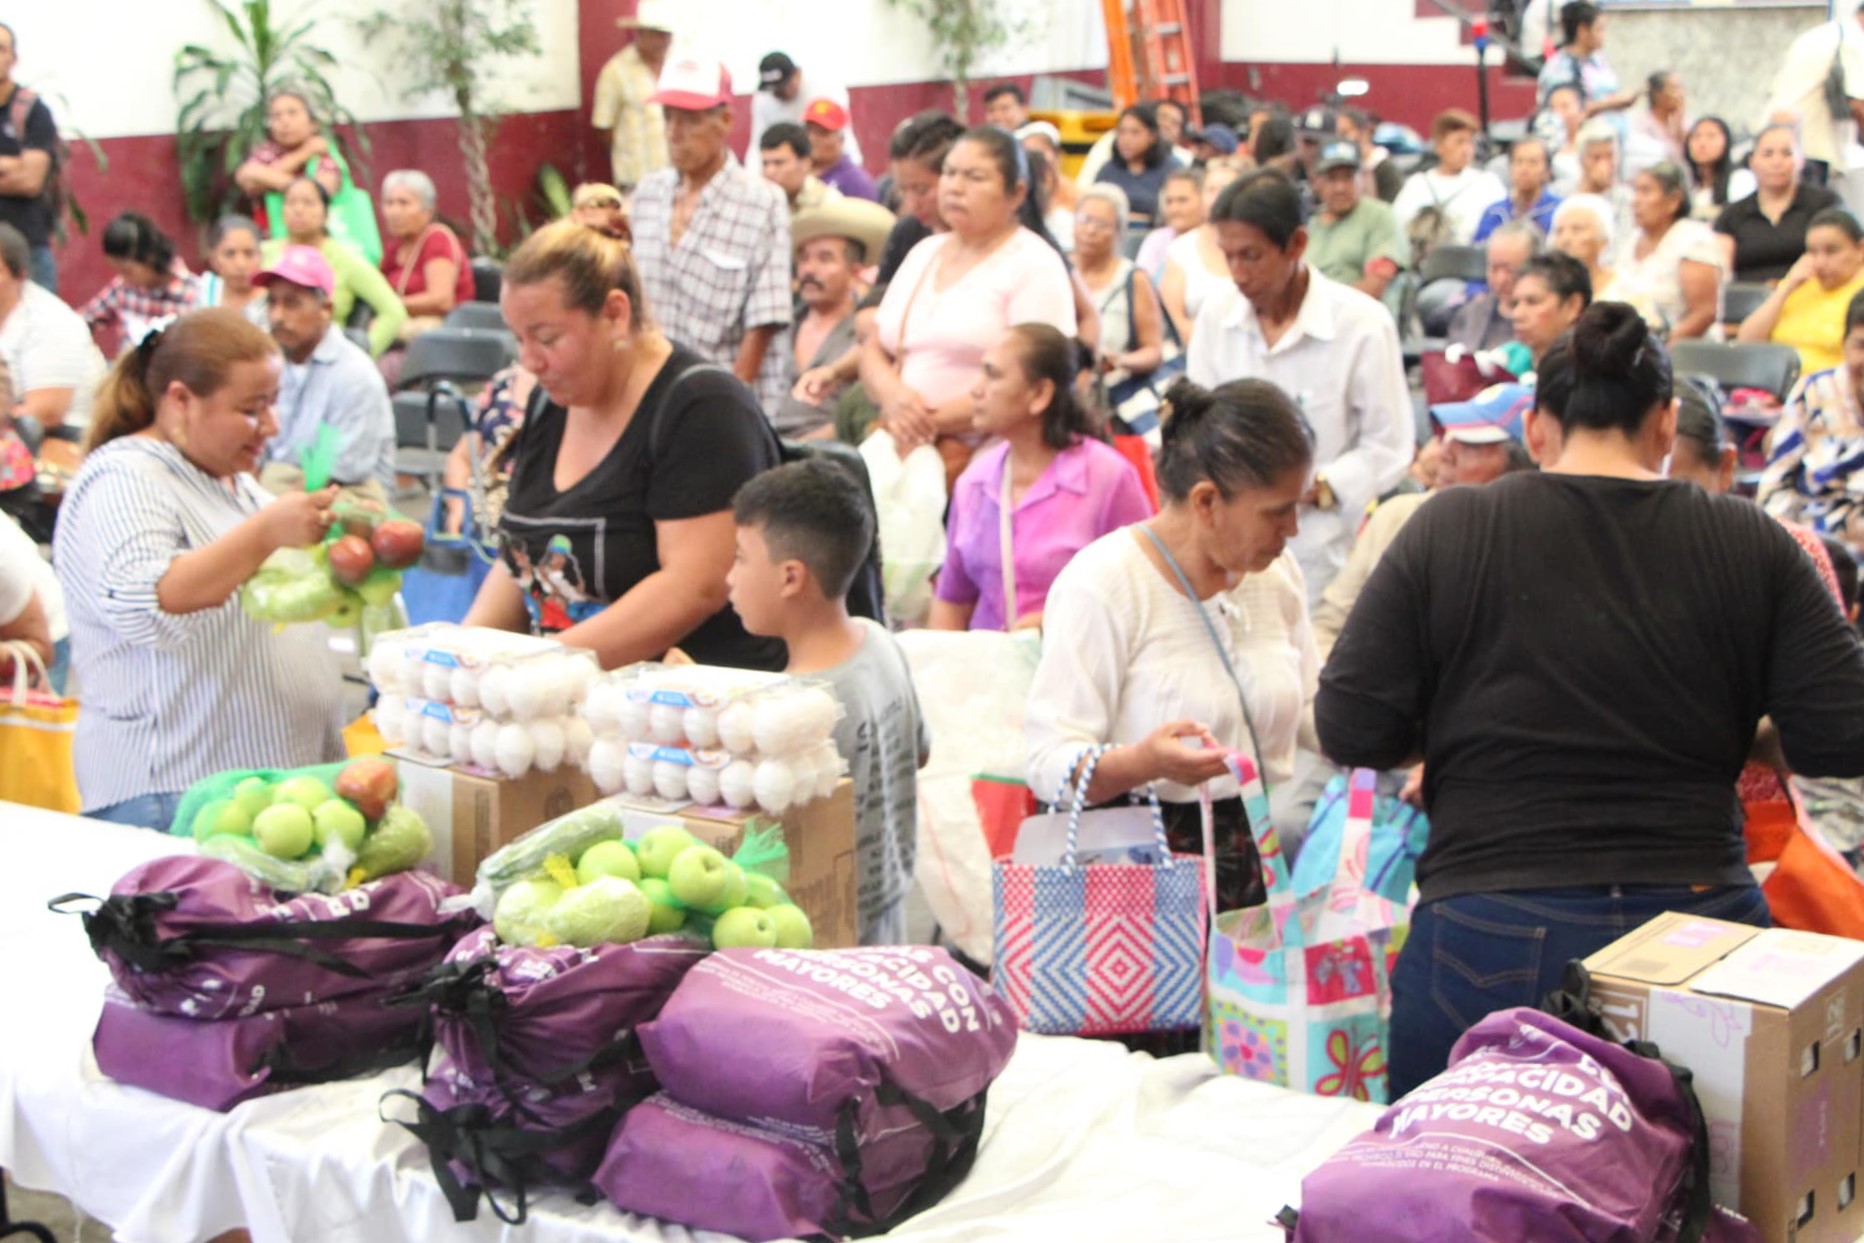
505	703
708	735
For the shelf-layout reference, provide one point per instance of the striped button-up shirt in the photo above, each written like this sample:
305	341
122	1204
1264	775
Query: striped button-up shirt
167	699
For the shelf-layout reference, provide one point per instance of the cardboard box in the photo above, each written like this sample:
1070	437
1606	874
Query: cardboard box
471	816
824	881
1771	1024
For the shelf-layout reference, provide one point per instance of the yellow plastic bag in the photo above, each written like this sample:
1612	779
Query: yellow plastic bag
360	738
36	731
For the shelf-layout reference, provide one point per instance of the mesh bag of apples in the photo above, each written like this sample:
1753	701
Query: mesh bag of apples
359	565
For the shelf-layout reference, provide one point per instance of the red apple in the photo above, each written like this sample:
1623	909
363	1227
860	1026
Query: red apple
371	783
351	559
398	543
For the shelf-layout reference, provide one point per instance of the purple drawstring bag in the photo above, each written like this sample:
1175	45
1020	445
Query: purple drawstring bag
1538	1130
829	1029
217	1063
682	1165
197	937
536	1060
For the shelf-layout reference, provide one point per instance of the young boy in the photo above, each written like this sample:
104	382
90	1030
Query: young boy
803	531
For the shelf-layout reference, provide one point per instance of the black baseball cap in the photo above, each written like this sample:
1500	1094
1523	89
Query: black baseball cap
774	70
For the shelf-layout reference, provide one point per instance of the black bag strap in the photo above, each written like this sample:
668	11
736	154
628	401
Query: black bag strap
285	1070
656	431
955	1137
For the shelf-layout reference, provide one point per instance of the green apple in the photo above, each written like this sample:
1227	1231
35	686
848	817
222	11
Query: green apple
336	820
253	795
762	892
736	890
744	926
667	915
700	877
348	612
221	816
608	859
793	930
284	830
658	848
307	792
381	585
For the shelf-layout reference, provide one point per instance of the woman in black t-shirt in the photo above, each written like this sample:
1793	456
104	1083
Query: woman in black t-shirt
1581	656
617	530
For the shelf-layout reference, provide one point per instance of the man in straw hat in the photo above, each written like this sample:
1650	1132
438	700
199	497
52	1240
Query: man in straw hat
624	108
834	243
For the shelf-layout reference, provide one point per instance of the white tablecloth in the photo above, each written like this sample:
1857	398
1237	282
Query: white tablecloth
1083	1141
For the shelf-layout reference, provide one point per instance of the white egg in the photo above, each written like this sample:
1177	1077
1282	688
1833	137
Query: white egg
436	737
582	674
459	743
463	686
413	670
666	723
485	744
702	786
390	718
524	696
606	758
558	690
385	665
639	775
514	750
820	711
548	737
631	717
803	774
780	725
436	682
670	780
828	767
577	738
598	707
736	729
492	684
774	786
736	782
700	726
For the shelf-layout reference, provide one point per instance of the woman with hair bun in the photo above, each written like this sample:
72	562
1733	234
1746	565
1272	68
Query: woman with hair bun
1172	679
1582	657
1063	487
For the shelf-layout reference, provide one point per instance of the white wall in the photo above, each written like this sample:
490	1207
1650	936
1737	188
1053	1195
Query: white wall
108	65
1360	32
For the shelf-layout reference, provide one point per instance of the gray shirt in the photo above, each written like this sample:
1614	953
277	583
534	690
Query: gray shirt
338	385
883	737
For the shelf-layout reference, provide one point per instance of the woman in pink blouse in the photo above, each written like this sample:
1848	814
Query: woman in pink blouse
957	293
1063	489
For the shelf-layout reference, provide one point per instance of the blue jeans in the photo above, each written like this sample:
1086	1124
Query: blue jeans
43	268
145	811
1473	954
60	672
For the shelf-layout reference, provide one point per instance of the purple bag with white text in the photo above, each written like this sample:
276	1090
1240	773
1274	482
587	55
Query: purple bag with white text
1538	1130
197	937
536	1060
831	1028
218	1063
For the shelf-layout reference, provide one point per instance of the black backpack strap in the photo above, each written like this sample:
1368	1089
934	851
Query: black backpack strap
955	1137
285	1070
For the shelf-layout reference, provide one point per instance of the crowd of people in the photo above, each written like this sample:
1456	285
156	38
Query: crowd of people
1170	396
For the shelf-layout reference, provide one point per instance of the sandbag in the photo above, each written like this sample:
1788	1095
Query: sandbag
683	1165
831	1027
218	1063
535	1061
197	937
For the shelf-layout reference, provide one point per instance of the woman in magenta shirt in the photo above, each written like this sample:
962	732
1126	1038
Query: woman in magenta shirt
1063	489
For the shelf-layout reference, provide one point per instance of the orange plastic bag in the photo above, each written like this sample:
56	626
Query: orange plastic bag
360	738
1135	450
1811	887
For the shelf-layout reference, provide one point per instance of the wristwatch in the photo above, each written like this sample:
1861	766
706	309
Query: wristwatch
1323	492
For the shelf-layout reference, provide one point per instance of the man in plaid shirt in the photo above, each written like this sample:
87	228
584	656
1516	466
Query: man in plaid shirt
712	239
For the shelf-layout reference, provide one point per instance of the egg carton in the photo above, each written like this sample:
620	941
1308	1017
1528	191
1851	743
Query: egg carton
449	734
702	707
508	677
711	776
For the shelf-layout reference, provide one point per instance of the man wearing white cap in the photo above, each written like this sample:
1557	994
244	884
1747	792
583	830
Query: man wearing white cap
783	93
713	239
624	108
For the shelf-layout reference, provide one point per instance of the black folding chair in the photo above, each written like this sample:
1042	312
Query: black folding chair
866	595
487	280
432	409
1766	366
1741	299
482	315
1454	263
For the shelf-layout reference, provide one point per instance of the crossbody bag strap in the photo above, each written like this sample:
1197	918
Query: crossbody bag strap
1006	547
657	430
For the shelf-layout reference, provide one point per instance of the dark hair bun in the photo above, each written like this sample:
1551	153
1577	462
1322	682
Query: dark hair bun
1189	404
1607	341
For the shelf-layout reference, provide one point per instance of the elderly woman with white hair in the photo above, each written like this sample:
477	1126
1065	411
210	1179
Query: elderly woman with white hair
1132	323
1585	227
424	261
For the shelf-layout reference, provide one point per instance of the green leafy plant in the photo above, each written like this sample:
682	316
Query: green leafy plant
223	99
963	31
449	48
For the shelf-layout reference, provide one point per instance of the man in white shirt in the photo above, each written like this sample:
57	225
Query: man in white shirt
1330	347
1446	203
783	93
54	363
1799	86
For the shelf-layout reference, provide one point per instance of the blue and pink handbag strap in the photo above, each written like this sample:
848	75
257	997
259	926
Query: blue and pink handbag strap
1090	760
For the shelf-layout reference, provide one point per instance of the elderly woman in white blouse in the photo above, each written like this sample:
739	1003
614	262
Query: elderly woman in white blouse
160	528
1187	636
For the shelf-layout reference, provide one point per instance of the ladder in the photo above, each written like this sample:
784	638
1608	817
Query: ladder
1149	53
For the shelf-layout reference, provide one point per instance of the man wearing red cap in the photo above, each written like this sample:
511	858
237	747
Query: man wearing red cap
712	239
827	123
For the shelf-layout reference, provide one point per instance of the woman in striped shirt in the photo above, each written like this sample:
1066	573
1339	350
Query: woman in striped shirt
159	529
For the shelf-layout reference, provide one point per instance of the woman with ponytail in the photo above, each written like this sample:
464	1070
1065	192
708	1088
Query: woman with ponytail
160	528
1187	636
1582	656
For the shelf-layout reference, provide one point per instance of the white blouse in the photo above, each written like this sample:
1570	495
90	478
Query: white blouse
1123	653
1199	281
1656	280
